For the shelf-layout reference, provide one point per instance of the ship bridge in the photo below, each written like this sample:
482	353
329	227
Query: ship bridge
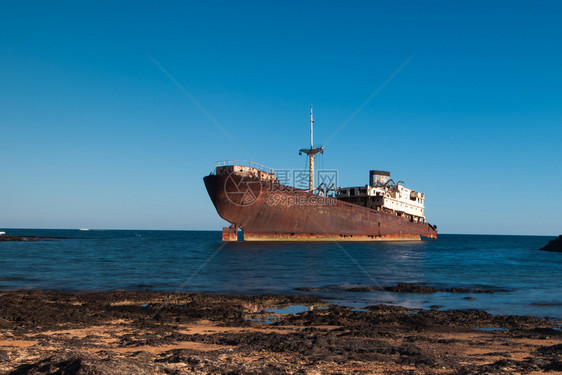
384	194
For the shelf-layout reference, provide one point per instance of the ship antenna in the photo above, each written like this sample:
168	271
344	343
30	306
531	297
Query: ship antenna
311	123
311	152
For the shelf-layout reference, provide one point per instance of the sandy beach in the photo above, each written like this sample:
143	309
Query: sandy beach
193	333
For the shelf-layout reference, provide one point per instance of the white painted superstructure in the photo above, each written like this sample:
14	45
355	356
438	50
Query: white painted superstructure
384	194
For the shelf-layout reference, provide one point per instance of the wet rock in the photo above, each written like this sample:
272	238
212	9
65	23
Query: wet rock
322	337
152	339
399	288
503	366
220	363
554	350
360	289
306	289
180	356
412	355
4	356
27	309
78	364
411	288
469	298
546	358
544	333
554	245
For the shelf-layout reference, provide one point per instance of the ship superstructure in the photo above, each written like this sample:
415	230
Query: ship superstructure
383	193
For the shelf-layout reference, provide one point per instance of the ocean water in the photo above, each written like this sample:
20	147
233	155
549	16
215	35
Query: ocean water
526	281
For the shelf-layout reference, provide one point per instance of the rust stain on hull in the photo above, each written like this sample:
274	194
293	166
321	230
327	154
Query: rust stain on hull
229	234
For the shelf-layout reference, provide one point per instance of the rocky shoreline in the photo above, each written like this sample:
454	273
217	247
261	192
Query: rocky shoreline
130	332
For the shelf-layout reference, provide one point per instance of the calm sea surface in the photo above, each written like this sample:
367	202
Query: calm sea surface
527	281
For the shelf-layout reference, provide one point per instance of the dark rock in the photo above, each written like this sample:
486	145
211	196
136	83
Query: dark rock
411	288
554	245
418	288
360	289
551	350
413	355
469	298
211	363
78	364
28	238
399	288
25	310
378	333
4	357
543	333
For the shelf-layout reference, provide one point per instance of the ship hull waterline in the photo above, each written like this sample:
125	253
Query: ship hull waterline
267	211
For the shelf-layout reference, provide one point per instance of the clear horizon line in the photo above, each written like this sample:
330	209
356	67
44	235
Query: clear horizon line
218	230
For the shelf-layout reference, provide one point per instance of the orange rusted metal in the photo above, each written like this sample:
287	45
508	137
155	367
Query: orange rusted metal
229	234
266	210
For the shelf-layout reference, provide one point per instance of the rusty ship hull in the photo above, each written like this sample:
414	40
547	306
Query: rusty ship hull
268	211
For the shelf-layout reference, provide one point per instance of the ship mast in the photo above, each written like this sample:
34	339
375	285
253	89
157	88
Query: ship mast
311	152
311	123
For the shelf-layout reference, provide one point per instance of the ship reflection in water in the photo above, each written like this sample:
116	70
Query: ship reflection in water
470	272
319	268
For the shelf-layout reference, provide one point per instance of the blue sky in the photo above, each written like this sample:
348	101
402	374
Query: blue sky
95	135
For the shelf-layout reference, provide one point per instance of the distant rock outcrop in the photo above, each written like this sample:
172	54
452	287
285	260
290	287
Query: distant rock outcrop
17	238
28	238
554	245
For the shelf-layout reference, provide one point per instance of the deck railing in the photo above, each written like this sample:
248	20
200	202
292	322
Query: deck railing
245	163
